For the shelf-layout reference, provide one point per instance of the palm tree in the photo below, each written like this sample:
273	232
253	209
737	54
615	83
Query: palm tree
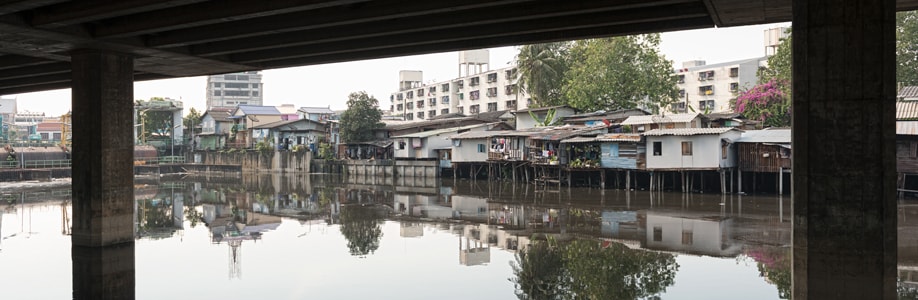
541	70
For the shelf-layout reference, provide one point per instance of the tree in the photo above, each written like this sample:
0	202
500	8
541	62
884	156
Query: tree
907	47
767	102
619	73
541	68
360	226
192	119
361	118
540	273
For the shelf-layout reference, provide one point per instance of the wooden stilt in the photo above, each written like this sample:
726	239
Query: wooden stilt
602	182
723	184
780	181
628	180
739	181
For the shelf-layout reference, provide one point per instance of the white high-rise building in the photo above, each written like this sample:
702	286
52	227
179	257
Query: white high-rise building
476	90
231	90
711	88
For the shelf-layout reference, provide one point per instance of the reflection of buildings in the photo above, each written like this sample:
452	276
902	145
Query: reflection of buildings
410	230
708	235
159	211
474	253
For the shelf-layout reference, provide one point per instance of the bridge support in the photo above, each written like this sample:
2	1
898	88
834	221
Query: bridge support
103	175
844	88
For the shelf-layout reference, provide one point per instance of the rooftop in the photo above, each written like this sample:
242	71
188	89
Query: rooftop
775	136
661	119
258	110
688	131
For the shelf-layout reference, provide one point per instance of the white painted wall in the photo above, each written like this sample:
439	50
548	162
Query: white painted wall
467	151
706	152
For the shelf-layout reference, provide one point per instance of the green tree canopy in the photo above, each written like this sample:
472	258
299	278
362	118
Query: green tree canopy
769	101
619	73
907	47
361	118
360	226
541	69
192	119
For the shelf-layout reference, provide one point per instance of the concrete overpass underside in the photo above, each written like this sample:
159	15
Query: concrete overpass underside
844	96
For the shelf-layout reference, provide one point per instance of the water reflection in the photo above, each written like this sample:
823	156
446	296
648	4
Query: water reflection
509	239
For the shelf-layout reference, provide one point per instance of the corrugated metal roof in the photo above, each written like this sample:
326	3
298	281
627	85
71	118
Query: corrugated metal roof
688	131
907	128
220	114
535	109
259	110
316	110
658	119
488	134
775	136
615	137
908	93
430	133
907	110
281	123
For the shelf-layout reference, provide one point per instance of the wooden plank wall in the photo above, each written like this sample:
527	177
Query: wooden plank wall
756	157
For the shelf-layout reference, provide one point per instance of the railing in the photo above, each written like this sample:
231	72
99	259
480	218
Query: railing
45	164
9	164
160	160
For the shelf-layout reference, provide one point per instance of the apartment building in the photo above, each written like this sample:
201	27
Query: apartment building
477	90
712	88
231	90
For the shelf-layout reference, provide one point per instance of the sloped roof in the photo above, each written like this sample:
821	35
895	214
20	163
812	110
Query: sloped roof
560	133
658	119
724	116
906	110
448	116
430	133
48	127
536	109
316	110
688	131
908	93
614	137
277	124
775	136
258	110
287	109
219	114
602	115
487	134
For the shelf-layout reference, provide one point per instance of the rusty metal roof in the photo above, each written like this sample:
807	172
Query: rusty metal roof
688	131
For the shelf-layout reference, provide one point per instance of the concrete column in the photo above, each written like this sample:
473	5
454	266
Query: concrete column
103	272
844	222
103	174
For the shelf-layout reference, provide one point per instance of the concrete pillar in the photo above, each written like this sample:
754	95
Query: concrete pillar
103	272
844	88
103	174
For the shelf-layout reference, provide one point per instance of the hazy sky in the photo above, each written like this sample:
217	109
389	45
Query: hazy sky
329	85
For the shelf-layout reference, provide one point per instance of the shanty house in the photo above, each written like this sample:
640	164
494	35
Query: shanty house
425	145
247	116
287	134
215	127
691	148
651	122
614	151
764	151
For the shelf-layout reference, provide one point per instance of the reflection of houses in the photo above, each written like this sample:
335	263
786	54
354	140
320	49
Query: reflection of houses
706	235
474	253
410	229
422	206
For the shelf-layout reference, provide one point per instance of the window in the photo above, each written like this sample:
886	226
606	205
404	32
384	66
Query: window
432	101
421	92
473	81
409	94
460	110
229	77
723	150
242	77
734	72
444	87
706	90
678	107
400	107
682	93
511	104
444	111
657	148
473	95
510	74
236	93
410	105
510	89
420	115
461	96
401	145
409	117
400	96
492	106
492	77
420	104
706	105
681	78
254	85
432	113
254	93
705	75
492	92
473	109
734	86
657	233
481	148
217	93
445	99
687	237
460	84
433	89
686	148
216	84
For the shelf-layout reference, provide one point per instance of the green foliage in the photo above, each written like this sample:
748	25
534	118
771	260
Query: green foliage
548	121
907	47
192	119
584	269
780	64
326	151
360	226
767	102
264	147
361	118
774	263
620	73
541	68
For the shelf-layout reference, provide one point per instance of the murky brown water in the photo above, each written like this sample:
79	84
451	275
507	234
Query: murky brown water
322	237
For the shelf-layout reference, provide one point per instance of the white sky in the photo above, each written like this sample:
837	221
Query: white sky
329	85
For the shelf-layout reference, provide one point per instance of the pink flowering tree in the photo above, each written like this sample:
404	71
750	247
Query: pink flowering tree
766	102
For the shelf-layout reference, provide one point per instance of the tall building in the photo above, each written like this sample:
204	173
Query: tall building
711	88
230	90
478	89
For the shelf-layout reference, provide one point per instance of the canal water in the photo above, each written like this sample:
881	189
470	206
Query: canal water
328	237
